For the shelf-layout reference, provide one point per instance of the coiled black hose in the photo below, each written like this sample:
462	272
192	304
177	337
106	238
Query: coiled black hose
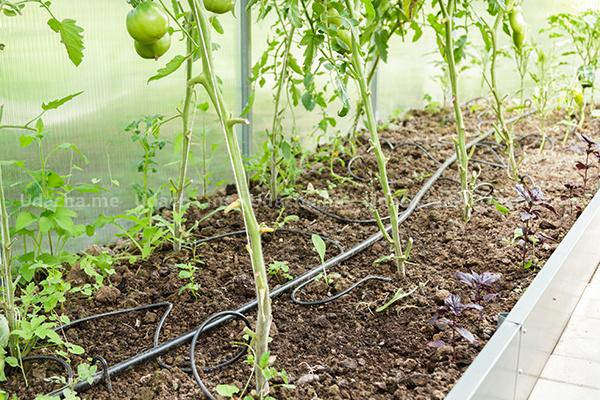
200	330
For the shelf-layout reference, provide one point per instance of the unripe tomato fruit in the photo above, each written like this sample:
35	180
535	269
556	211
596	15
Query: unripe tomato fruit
219	6
153	50
517	22
333	17
578	97
148	22
345	36
519	38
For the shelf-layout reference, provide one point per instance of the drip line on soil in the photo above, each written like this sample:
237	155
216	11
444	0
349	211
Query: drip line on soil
193	368
337	296
336	244
215	322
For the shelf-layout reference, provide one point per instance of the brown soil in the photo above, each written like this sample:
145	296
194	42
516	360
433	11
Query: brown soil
343	349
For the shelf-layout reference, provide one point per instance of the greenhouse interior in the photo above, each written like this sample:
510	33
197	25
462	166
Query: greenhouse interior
314	199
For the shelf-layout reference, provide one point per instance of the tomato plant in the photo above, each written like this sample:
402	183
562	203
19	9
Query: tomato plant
153	50
219	6
147	23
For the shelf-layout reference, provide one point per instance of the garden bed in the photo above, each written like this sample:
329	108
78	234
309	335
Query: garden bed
343	349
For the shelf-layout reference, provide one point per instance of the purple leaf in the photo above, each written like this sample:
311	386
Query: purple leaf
465	277
487	278
527	214
571	186
437	343
489	296
454	304
580	166
465	333
537	194
577	148
548	207
522	192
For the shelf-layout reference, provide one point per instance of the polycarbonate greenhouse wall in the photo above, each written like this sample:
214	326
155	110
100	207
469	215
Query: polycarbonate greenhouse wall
35	69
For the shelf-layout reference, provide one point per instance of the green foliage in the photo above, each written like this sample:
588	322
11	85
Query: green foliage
279	270
583	31
70	32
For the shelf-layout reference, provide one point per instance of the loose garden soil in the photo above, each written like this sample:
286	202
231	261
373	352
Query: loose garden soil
343	349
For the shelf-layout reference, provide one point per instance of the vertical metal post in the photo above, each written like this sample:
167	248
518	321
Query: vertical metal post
245	63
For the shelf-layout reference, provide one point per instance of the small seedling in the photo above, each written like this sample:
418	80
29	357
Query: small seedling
319	244
187	272
481	283
453	307
279	269
532	210
572	196
592	148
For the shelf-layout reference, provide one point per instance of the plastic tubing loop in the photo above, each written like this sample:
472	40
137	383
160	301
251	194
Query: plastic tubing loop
182	339
538	138
475	188
350	221
337	296
336	244
195	339
500	163
105	373
393	148
57	360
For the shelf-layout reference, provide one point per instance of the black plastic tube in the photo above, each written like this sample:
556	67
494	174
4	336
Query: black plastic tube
185	338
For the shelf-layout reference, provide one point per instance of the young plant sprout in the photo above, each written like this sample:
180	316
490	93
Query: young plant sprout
319	244
454	308
572	196
534	199
592	148
481	283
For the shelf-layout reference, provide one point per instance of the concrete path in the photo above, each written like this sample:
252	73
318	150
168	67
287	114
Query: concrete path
573	370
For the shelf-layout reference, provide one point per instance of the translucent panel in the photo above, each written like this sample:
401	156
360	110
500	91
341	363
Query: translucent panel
35	69
411	67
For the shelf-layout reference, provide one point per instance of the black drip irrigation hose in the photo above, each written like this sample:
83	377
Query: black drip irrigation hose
104	364
56	360
538	138
336	244
337	296
351	221
193	368
187	337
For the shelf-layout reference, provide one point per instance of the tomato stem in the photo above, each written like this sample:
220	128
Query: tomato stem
208	81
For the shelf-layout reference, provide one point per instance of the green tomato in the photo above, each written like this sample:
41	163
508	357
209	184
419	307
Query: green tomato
344	36
148	22
333	17
153	50
519	38
219	6
517	22
578	97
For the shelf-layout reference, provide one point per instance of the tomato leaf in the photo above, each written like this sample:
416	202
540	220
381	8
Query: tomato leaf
70	36
57	103
171	67
382	46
